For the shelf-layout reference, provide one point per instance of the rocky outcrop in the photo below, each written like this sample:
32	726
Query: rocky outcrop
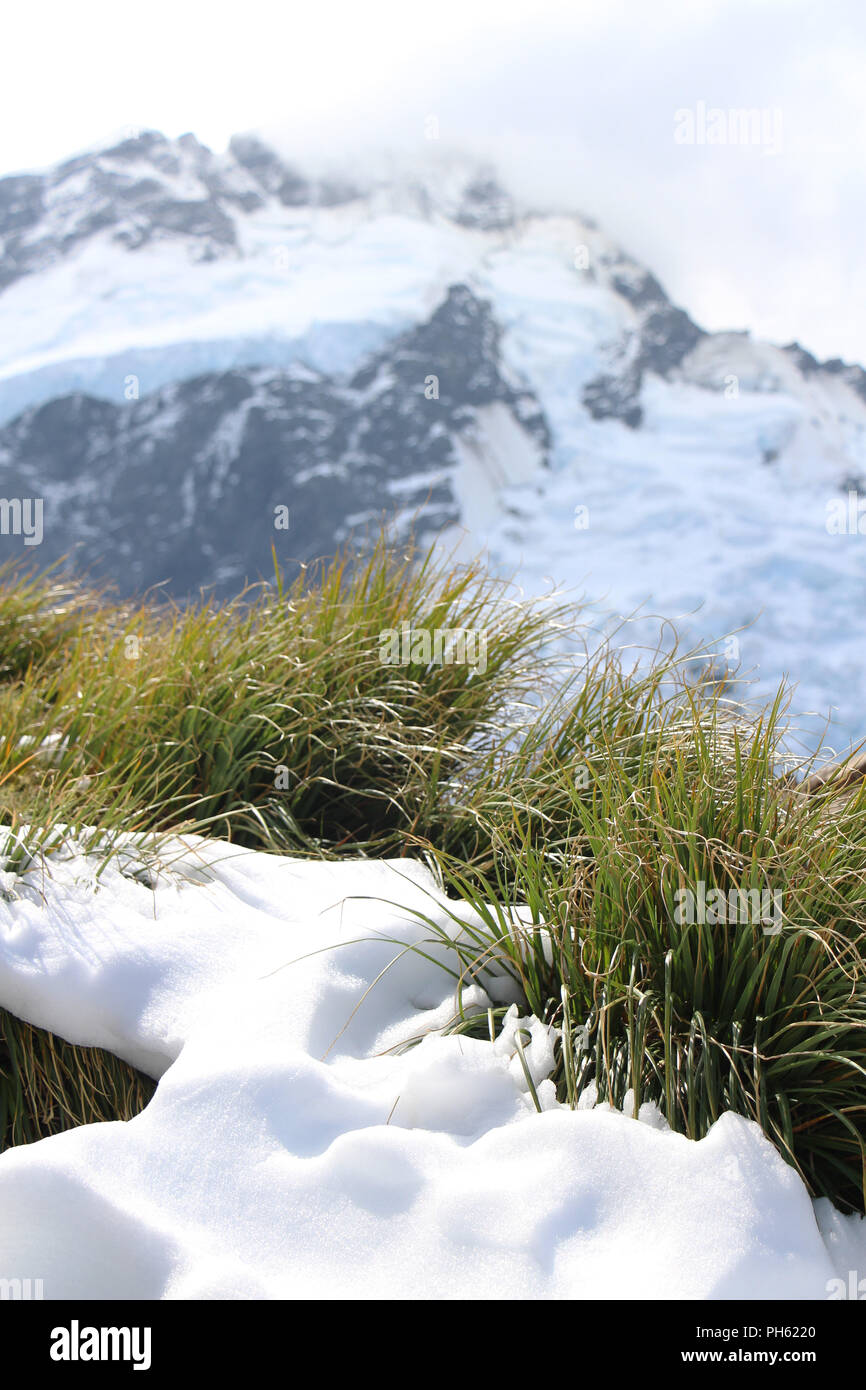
190	486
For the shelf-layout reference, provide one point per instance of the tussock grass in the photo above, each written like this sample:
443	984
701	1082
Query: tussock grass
756	1009
48	1085
271	720
38	615
581	815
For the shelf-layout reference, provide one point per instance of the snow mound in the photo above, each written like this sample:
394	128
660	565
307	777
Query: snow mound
290	1151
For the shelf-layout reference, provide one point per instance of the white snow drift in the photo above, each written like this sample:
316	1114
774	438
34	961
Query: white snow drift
290	1152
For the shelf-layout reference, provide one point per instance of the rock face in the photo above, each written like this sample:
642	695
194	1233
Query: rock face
192	485
666	335
142	189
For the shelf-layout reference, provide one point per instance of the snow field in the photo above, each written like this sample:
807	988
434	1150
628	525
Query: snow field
288	1153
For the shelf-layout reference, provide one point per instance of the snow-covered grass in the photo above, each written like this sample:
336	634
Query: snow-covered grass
295	1147
563	827
271	721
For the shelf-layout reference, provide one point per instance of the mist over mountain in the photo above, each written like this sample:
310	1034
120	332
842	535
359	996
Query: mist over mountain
204	356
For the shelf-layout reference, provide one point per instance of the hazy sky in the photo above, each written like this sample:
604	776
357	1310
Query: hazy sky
576	100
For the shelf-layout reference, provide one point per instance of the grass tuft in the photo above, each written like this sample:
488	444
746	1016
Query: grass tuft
754	1003
48	1085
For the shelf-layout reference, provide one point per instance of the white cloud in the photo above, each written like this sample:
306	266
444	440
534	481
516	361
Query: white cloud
575	102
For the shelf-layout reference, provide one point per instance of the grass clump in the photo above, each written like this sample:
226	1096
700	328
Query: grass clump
694	929
272	720
48	1085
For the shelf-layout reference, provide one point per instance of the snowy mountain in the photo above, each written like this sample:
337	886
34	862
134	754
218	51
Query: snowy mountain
194	345
188	482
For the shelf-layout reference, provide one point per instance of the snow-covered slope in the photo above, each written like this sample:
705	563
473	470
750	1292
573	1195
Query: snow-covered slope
289	1151
191	340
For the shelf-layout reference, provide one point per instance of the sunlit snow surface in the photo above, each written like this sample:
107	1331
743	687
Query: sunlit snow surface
712	513
288	1152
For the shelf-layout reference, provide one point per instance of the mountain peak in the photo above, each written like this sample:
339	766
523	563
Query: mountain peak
148	187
